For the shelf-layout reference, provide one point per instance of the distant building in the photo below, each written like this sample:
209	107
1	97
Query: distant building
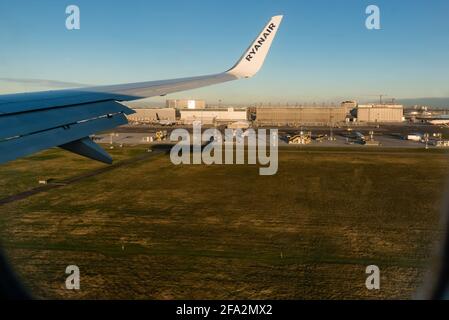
295	116
349	105
380	113
214	116
152	115
186	104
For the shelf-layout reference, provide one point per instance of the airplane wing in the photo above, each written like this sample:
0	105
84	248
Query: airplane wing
31	122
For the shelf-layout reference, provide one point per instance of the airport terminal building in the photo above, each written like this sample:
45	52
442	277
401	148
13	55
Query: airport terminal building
294	116
152	115
189	111
324	116
372	113
214	116
185	104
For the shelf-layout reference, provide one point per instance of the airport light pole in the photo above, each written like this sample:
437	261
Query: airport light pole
331	137
426	140
111	139
380	98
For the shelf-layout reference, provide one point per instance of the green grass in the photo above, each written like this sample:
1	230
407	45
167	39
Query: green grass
155	230
25	173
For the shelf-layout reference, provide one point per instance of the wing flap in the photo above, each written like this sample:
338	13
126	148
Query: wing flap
89	149
21	146
31	122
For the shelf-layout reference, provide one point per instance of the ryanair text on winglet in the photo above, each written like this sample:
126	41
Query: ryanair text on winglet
260	42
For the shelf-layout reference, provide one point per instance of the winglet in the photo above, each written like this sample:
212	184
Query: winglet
253	58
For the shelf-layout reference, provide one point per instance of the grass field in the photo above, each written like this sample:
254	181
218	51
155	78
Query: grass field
154	230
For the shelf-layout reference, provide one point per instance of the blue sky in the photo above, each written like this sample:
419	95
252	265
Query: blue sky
322	53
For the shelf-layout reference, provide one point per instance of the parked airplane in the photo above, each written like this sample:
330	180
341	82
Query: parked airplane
442	120
164	122
31	122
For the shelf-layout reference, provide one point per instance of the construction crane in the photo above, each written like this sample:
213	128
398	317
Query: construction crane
381	96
